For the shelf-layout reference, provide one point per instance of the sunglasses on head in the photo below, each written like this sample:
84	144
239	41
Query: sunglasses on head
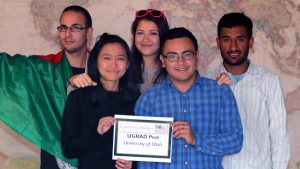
154	13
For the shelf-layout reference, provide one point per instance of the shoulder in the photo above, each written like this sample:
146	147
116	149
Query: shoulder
262	73
214	72
84	93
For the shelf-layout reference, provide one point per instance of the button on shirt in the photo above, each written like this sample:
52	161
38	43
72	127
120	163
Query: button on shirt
261	104
213	116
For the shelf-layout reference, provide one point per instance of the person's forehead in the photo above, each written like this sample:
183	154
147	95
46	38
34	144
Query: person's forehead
236	30
178	45
72	17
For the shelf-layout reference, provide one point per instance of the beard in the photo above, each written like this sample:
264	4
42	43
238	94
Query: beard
240	61
75	48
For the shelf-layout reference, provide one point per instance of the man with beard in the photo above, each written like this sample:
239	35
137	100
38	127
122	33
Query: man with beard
259	97
33	91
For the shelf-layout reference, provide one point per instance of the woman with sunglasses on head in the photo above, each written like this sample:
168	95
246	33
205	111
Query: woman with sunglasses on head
148	30
87	132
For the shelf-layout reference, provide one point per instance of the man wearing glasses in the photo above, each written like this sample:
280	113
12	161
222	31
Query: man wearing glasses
43	86
207	124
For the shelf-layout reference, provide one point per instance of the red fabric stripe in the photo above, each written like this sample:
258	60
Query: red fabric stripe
53	58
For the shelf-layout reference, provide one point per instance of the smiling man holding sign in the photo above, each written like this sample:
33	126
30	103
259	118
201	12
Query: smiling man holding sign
206	124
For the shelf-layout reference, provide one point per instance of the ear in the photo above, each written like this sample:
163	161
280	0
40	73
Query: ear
89	33
162	60
251	42
218	42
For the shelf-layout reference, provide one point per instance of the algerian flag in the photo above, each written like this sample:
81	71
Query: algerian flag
33	93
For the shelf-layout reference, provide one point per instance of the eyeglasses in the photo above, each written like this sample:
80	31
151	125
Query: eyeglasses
153	12
173	57
73	28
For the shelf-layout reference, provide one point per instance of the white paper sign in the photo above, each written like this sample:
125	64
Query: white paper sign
142	138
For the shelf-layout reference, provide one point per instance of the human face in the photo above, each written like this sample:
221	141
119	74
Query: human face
74	42
147	38
234	46
112	63
182	71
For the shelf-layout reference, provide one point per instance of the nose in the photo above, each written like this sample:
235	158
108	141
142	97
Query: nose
145	38
68	32
180	59
233	45
113	63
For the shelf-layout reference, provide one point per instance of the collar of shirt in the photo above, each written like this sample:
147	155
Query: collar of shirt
236	79
169	83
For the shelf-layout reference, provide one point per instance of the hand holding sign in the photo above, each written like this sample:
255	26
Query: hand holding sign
105	124
182	129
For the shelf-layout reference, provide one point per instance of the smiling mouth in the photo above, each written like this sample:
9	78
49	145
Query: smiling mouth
233	54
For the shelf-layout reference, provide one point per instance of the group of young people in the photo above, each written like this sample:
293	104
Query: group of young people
211	121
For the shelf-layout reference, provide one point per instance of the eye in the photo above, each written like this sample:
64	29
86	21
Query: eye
241	39
153	33
75	28
121	58
188	55
225	39
62	28
172	56
139	33
106	57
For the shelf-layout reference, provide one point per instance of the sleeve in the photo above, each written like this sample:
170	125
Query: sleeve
229	140
72	139
280	146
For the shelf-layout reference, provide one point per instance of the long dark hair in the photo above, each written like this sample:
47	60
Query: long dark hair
163	27
128	83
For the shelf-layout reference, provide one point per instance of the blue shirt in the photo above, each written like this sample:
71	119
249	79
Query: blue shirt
213	116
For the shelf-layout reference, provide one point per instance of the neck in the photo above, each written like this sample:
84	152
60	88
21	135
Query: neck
184	86
77	59
110	85
237	69
149	61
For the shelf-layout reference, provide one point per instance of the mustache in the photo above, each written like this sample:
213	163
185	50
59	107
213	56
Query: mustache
235	51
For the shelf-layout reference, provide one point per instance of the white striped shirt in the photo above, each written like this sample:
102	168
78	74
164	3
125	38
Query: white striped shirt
261	105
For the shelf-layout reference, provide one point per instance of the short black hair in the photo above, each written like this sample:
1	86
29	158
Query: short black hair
175	33
235	19
83	11
128	83
180	32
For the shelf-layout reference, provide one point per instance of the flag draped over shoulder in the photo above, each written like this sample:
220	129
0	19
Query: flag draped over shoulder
33	92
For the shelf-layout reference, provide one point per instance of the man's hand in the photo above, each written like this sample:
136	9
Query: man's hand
105	124
81	81
123	164
182	129
223	78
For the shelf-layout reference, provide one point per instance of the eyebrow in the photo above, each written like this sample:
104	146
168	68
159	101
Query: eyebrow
239	36
75	24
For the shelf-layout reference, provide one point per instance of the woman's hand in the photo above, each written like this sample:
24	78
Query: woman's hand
105	124
123	164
